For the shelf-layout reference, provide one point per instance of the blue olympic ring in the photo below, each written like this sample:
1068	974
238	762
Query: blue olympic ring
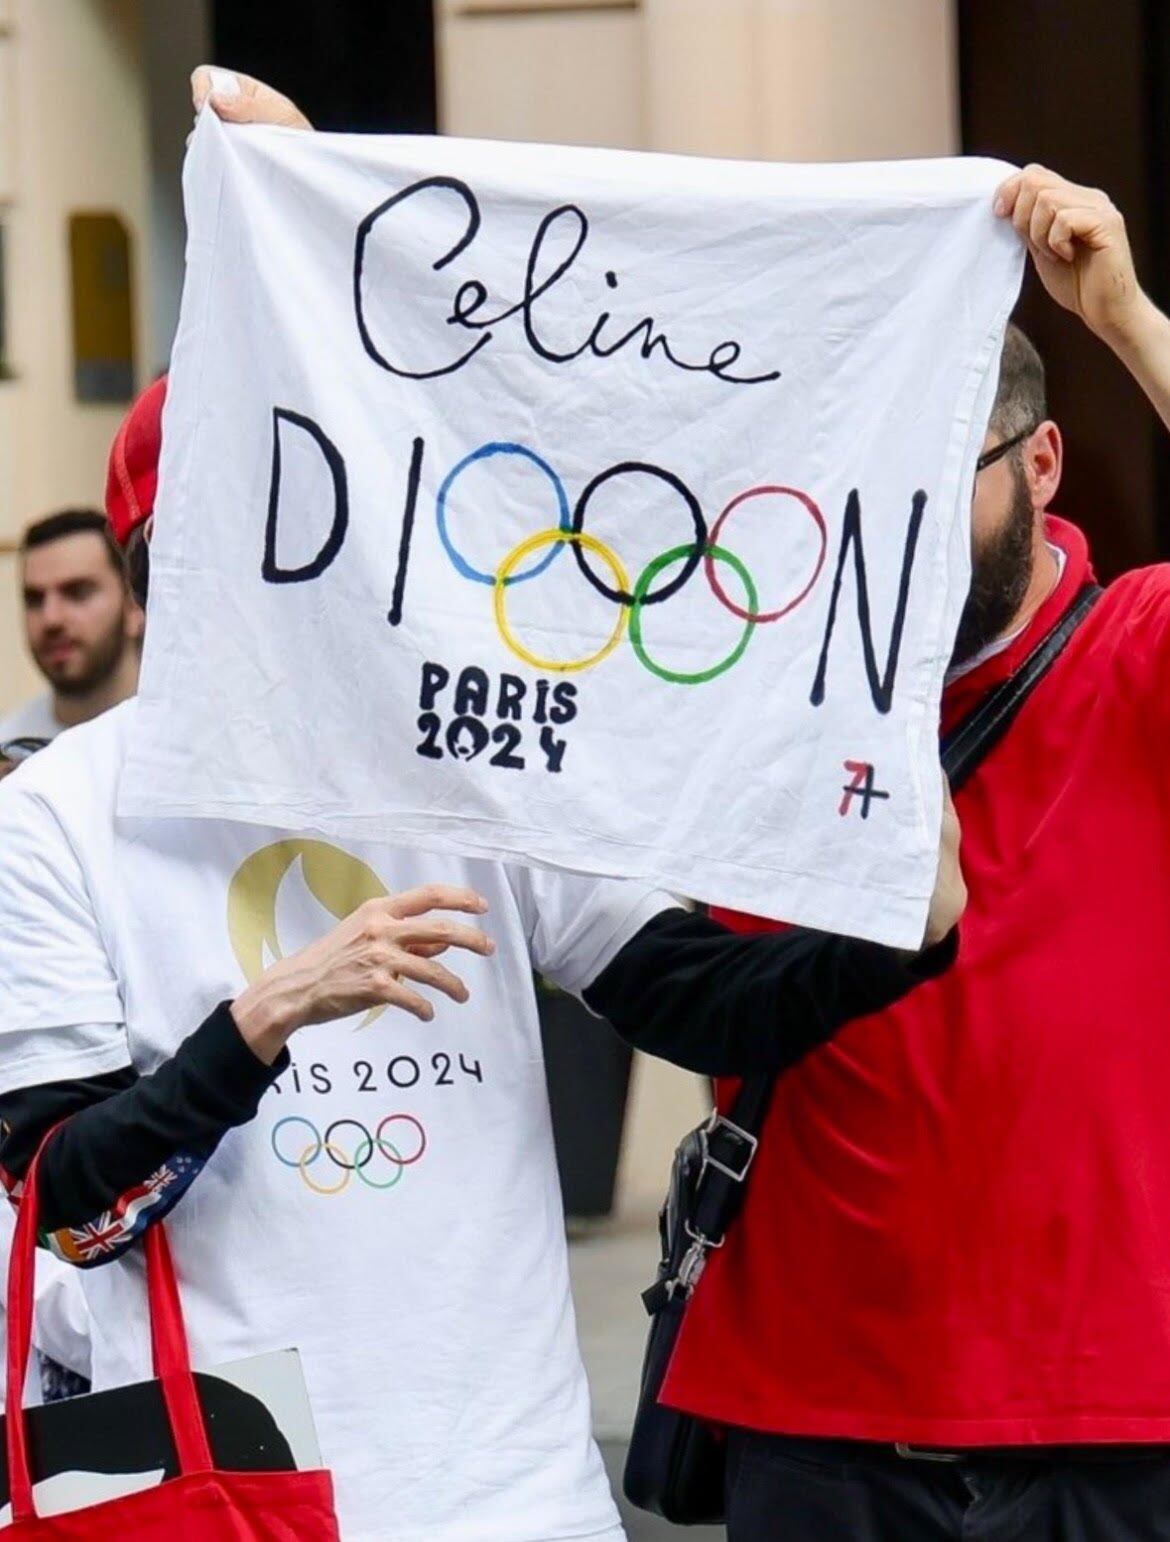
565	521
309	1125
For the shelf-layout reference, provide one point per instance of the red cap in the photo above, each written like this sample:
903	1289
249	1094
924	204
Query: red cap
132	478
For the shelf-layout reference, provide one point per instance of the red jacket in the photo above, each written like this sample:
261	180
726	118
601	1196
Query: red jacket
957	1230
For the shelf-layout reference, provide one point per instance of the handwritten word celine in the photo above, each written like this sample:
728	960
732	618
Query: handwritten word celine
605	337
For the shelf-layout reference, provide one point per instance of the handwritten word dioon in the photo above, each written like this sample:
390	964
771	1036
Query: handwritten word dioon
601	567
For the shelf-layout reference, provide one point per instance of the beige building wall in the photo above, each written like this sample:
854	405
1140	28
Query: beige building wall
74	138
802	80
575	76
776	79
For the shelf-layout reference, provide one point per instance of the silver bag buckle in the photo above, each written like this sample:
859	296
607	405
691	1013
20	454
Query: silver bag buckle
736	1147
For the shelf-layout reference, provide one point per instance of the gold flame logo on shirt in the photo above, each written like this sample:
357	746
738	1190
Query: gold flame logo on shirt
336	880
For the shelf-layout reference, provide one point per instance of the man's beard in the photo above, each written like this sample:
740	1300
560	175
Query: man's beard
1000	574
96	663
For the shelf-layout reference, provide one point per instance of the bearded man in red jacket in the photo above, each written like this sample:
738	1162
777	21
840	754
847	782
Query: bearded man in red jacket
944	1311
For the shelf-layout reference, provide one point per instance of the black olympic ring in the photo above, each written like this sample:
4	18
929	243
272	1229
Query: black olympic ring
623	596
349	1166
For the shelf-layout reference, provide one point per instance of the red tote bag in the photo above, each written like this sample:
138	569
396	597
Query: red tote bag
202	1504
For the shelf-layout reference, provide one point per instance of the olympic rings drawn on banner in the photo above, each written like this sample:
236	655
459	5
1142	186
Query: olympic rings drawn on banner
517	554
357	1161
818	520
677	554
622	595
485	452
705	549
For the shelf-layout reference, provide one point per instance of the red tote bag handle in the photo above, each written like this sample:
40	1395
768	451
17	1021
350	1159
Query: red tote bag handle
172	1362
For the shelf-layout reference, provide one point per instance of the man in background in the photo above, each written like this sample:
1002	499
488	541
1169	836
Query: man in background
84	631
83	626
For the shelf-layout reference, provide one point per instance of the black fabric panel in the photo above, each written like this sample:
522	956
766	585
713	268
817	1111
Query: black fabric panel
724	1004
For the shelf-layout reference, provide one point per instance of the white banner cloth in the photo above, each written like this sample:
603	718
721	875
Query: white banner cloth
600	510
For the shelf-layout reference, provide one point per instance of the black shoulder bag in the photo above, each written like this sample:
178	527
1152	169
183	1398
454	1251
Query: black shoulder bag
675	1464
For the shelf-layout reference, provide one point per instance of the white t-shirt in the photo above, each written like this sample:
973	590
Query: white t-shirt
35	720
61	1315
422	1274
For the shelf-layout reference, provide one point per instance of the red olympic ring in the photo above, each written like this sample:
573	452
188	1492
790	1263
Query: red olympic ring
713	540
422	1138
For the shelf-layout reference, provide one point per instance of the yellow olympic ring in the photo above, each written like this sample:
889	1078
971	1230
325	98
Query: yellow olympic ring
516	556
311	1153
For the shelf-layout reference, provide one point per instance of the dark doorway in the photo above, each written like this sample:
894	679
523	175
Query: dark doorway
365	65
1083	87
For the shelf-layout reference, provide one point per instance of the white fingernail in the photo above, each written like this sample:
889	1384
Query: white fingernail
224	82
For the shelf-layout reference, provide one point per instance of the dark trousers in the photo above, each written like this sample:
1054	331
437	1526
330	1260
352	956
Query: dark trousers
781	1489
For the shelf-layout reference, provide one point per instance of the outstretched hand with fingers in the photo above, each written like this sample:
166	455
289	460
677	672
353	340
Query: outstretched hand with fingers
376	957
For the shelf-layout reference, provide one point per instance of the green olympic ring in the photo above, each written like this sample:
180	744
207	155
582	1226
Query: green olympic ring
648	575
386	1148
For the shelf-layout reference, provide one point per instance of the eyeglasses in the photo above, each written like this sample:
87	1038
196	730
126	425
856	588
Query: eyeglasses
16	750
998	451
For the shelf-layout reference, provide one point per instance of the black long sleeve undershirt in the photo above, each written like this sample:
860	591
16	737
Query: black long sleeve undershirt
684	988
689	991
120	1128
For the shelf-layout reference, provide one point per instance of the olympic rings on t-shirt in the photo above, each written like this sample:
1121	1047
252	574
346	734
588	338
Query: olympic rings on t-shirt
387	1150
405	1119
309	1125
705	548
322	1188
348	1164
544	538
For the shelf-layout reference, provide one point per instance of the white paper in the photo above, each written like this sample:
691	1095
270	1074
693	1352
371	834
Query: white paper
66	1491
362	392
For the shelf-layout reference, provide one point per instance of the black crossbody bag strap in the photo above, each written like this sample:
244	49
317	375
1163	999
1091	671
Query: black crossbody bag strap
982	729
729	1140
